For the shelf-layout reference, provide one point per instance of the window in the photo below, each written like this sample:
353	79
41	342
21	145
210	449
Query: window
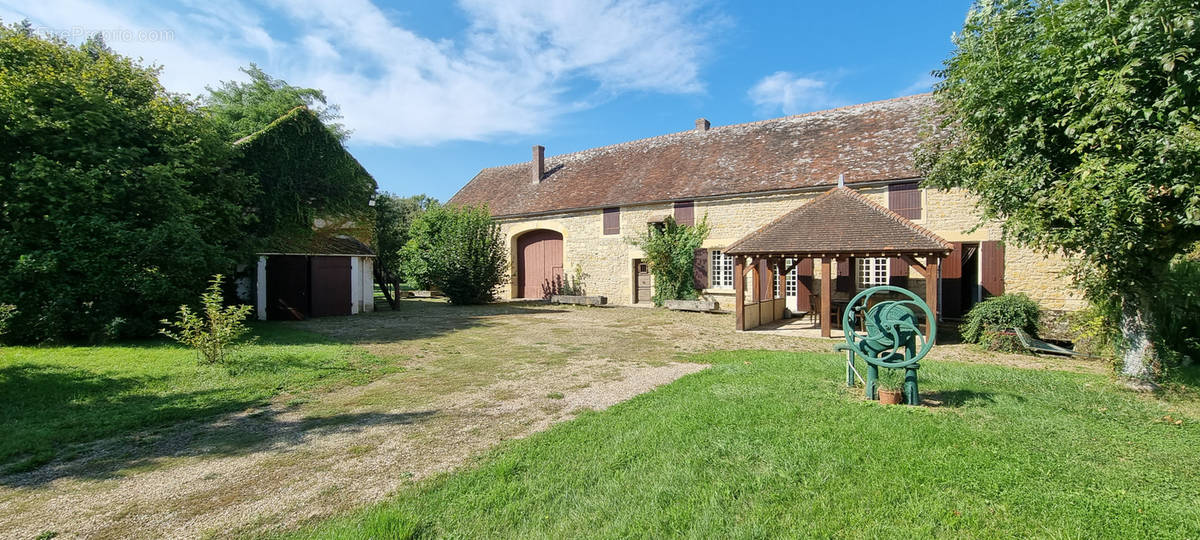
789	286
685	213
905	199
612	221
872	272
722	270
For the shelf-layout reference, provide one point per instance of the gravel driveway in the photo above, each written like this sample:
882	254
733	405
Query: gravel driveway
474	377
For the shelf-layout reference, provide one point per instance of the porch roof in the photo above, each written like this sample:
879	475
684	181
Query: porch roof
841	223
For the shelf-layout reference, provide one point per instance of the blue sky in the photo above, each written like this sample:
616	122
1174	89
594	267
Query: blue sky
435	91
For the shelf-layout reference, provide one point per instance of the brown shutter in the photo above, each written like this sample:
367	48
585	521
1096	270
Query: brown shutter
844	278
612	221
992	262
952	300
685	213
898	272
905	199
700	270
804	284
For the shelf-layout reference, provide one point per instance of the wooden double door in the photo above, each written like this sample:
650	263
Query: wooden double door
539	263
301	286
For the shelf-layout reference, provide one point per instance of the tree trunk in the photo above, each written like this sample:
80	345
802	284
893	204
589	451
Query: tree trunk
1140	363
385	282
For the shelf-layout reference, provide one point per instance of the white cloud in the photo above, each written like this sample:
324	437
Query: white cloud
924	83
793	94
519	67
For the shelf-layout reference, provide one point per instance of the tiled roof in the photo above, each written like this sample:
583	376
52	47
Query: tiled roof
841	221
868	142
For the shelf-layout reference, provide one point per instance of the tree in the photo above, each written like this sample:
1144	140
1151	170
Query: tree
394	216
119	200
670	250
242	108
1076	122
461	252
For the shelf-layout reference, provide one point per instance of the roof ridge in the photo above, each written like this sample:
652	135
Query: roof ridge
714	128
897	217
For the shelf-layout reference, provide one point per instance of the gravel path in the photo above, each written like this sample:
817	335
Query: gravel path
474	377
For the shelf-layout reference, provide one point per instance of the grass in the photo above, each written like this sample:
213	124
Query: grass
55	396
770	444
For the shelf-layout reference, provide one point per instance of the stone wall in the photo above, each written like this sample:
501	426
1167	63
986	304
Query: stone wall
608	260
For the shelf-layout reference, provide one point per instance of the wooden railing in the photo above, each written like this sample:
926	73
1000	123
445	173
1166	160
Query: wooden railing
767	311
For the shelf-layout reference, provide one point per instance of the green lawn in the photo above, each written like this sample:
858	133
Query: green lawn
54	396
770	444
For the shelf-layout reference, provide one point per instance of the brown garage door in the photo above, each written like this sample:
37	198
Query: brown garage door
330	286
539	262
287	287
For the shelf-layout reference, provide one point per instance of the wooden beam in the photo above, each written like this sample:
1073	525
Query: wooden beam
931	292
826	297
739	288
916	265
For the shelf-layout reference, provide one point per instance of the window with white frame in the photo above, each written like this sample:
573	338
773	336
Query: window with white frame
872	272
722	270
789	286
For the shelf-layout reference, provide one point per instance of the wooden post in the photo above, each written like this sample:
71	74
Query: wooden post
757	288
826	297
931	291
853	276
739	288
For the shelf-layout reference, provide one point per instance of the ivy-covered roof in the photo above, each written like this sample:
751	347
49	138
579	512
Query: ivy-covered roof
306	176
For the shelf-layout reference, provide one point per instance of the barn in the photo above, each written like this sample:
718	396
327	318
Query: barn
332	277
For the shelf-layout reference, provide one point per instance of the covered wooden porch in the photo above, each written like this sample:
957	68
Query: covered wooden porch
835	230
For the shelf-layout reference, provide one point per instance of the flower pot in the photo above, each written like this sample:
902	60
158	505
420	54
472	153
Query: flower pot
890	397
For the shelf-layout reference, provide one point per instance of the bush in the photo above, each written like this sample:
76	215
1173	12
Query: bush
6	312
567	286
670	252
1000	313
1176	310
216	331
461	252
119	197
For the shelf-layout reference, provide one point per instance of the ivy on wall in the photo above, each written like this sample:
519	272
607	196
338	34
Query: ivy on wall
310	185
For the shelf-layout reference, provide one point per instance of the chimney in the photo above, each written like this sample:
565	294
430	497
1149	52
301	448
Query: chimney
842	180
539	163
702	124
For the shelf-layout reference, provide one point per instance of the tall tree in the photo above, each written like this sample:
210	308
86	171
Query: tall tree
394	216
118	197
1076	122
242	108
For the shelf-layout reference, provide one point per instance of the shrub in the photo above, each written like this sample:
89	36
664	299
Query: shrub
6	312
214	333
670	252
999	313
568	286
461	251
1176	310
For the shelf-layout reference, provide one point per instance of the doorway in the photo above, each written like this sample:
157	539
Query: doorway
642	284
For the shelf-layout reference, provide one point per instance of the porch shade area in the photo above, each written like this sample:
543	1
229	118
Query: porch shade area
837	228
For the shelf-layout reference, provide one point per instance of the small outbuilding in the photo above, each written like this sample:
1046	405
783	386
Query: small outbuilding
334	276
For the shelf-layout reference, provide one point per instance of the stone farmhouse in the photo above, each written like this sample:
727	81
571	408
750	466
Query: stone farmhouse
578	210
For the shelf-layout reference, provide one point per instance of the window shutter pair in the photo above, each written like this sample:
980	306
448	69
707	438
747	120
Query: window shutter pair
905	199
685	213
612	221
